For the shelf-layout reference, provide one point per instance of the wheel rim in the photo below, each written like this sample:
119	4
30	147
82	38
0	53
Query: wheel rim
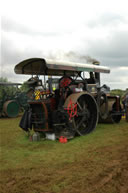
86	119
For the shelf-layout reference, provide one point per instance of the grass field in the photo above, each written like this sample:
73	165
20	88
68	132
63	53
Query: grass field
95	163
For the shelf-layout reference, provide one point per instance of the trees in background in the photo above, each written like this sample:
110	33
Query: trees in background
24	87
119	92
7	91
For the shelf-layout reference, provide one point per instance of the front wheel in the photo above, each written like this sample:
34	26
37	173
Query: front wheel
102	102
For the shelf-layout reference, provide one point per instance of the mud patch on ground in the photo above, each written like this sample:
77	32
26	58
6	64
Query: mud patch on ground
87	175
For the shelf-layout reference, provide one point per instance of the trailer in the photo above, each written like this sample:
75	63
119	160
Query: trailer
69	101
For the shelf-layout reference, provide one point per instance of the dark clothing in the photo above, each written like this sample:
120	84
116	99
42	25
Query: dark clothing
25	122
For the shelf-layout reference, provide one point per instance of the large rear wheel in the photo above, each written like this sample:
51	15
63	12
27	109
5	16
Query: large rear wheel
85	120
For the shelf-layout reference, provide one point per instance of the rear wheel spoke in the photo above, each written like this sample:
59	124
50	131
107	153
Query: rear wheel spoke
87	113
79	105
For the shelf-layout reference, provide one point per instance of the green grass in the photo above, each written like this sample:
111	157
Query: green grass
16	146
61	165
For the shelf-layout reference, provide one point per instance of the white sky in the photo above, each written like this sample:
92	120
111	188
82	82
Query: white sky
44	28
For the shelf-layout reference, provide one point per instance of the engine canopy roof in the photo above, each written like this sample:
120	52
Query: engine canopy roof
41	66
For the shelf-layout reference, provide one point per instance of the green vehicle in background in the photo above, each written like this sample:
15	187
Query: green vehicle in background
12	101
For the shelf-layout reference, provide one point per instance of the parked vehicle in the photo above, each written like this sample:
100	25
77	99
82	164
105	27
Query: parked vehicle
12	103
71	104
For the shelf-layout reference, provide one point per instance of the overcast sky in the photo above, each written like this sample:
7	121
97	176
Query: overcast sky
66	30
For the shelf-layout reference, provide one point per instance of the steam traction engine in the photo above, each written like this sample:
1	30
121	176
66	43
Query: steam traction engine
71	104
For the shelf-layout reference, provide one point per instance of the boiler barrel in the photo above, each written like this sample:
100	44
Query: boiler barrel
11	108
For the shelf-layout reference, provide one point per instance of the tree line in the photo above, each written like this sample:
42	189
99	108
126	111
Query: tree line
11	90
119	92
